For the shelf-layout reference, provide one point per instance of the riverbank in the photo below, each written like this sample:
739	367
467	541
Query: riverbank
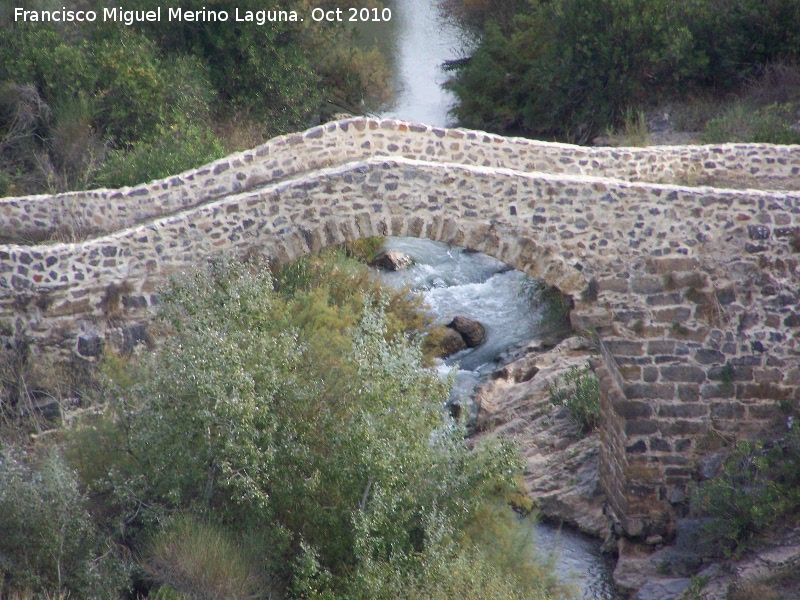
562	471
562	479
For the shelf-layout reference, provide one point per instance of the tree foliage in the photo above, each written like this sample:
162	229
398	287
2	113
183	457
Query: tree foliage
568	68
275	413
107	104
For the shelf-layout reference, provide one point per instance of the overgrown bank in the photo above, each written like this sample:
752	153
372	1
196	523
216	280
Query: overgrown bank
283	441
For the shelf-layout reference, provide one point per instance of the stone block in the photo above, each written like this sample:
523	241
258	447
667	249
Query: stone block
624	347
664	266
667	299
640	427
707	356
677	314
682	428
727	410
654	391
647	285
765	411
763	391
90	344
639	447
688	393
682	373
661	346
658	444
629	409
683	411
613	284
717	390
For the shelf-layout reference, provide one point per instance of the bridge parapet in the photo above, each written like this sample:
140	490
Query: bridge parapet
78	215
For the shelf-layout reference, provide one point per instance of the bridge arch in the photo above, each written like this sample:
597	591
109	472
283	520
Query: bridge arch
693	292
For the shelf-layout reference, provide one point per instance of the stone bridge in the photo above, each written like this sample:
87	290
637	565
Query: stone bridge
691	291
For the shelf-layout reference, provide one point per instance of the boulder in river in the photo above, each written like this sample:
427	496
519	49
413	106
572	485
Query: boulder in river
391	260
472	331
449	342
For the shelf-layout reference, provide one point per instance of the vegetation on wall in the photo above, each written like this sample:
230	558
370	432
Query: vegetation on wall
756	491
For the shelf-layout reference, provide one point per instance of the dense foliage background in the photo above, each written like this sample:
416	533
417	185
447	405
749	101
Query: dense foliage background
102	104
570	68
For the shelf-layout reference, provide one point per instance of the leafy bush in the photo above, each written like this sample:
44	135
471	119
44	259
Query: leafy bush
332	446
572	68
47	538
579	392
742	122
175	148
757	486
67	105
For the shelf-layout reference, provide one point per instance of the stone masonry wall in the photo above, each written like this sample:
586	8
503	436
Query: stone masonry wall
694	292
78	214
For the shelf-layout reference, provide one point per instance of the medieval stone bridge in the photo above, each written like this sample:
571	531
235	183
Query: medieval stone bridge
693	292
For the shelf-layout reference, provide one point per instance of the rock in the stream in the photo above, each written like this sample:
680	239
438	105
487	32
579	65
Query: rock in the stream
450	343
472	331
391	260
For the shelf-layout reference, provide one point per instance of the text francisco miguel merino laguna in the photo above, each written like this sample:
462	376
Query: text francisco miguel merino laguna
129	17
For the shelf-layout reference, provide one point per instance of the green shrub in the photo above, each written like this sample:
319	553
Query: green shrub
47	538
175	148
579	392
279	415
743	122
572	68
757	487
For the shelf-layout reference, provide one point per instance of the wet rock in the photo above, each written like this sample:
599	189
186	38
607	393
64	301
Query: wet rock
450	343
472	331
391	260
663	589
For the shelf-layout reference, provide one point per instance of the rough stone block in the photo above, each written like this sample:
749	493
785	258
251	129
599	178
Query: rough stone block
647	285
661	346
668	265
640	427
654	391
624	347
629	409
677	314
707	356
613	284
683	411
682	373
682	428
727	410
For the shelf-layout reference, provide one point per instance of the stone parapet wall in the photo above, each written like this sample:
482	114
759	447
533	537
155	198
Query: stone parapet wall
694	292
77	215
